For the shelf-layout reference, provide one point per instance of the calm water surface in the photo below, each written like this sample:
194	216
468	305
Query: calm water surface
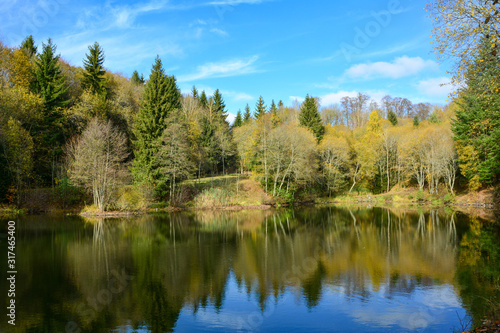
308	270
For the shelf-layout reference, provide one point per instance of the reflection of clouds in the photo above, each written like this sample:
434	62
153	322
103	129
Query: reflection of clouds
424	307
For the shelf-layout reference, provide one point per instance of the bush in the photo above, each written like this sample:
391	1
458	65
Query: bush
420	195
448	197
212	197
129	198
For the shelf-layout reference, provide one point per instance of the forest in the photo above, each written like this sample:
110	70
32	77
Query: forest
84	135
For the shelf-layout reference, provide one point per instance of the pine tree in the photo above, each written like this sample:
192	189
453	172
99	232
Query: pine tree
195	93
238	121
280	104
49	81
391	116
48	136
219	106
247	116
93	75
203	100
136	79
273	109
309	117
260	108
28	47
160	97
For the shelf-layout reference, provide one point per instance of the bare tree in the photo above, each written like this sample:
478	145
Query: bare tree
96	160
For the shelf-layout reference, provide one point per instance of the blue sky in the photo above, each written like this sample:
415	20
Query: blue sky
280	49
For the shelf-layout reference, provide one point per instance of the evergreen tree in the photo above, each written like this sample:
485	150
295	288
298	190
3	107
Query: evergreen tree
48	136
260	108
49	81
391	116
136	79
309	117
219	107
477	122
273	109
195	93
238	121
203	100
93	75
416	122
247	116
28	47
280	104
160	97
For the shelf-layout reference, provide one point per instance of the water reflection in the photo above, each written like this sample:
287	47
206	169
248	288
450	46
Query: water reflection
312	269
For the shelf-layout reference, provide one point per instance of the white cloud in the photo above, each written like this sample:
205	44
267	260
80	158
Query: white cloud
219	32
400	67
296	98
439	87
233	67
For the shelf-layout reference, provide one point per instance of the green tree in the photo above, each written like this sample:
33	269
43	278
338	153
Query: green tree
49	81
93	74
160	97
477	123
194	92
28	47
247	116
273	109
310	118
50	84
260	108
416	122
238	121
219	106
136	79
391	116
17	150
203	100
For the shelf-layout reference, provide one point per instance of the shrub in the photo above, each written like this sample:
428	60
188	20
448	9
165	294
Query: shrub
129	198
212	197
448	197
420	195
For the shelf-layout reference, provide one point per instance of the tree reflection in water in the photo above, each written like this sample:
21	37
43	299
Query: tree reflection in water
187	262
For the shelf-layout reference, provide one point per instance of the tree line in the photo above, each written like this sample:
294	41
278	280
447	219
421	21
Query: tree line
63	126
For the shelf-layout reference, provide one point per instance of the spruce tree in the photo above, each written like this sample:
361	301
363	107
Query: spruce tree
28	46
49	81
160	97
273	109
391	116
238	121
93	75
219	107
247	116
136	79
195	93
260	108
203	100
48	136
280	104
309	117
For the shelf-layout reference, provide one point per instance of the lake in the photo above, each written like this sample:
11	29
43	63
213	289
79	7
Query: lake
303	270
